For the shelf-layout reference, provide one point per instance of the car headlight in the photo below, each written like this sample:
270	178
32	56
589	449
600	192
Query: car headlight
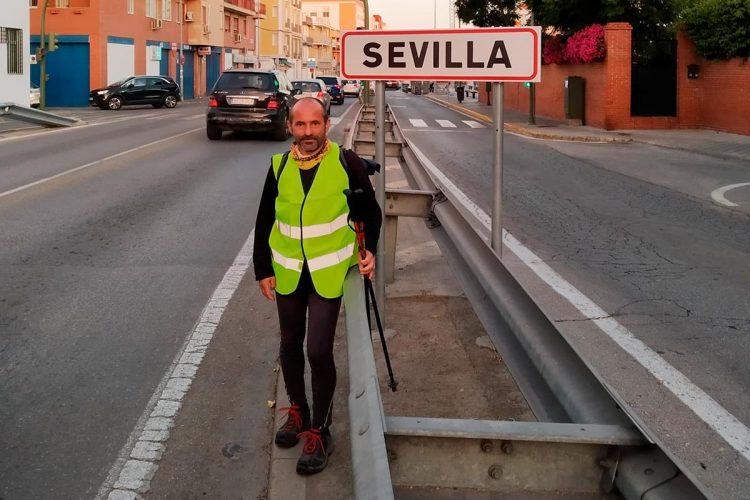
102	92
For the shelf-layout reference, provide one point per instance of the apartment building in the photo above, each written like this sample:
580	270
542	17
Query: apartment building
342	14
281	38
321	44
102	41
14	52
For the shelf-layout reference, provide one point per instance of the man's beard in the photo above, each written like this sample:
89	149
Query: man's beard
309	148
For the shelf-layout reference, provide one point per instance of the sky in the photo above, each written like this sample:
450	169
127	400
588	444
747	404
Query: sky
412	14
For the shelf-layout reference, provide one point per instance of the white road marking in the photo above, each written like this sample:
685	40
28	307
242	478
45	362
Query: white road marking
473	124
193	117
158	117
718	194
704	406
399	106
138	459
446	123
92	164
335	120
417	123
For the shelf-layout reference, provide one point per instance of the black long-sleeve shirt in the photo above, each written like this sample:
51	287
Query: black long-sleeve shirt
358	179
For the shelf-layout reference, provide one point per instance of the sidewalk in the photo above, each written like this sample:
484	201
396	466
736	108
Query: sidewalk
706	142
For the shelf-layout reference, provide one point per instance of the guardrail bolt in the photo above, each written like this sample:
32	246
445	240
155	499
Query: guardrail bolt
507	447
486	445
495	471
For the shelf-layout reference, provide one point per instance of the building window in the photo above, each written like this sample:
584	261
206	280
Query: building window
167	10
33	3
227	21
204	11
151	8
131	6
245	30
14	40
275	11
62	4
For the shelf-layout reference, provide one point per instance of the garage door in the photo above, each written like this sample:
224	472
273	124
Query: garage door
68	70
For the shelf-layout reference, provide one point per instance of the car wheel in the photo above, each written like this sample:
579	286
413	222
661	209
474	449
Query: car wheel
114	103
213	132
170	101
282	132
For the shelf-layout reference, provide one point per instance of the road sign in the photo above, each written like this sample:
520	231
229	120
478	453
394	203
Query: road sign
487	54
174	46
311	63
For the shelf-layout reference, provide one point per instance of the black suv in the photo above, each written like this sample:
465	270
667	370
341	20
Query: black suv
335	88
250	100
159	91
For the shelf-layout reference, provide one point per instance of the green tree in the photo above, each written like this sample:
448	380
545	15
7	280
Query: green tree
720	29
487	13
650	18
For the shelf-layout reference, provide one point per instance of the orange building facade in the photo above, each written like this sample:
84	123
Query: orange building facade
102	41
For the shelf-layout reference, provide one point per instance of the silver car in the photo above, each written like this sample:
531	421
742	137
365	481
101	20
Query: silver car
313	87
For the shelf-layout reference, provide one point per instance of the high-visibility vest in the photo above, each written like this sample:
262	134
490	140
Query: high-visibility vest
312	227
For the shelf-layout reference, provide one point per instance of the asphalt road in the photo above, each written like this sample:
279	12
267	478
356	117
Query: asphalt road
103	273
632	226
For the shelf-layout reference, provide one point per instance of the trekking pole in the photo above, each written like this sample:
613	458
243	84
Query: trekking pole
359	229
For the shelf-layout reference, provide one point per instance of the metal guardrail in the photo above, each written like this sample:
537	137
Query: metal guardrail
35	116
582	444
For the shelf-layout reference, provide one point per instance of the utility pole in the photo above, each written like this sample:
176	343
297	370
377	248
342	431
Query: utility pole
366	99
532	88
180	56
42	64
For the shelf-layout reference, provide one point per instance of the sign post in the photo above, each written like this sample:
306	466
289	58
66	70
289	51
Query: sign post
494	55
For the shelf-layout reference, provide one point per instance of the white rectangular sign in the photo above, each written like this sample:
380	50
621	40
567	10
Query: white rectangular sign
486	54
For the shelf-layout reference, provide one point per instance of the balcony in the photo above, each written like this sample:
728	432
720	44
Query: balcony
322	40
308	41
245	7
307	21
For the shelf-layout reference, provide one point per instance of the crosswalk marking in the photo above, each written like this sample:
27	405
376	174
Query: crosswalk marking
446	123
417	123
473	124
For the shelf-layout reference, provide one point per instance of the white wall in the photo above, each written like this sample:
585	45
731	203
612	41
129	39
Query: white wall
152	67
15	88
120	61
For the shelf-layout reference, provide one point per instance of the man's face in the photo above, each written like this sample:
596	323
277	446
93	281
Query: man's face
308	125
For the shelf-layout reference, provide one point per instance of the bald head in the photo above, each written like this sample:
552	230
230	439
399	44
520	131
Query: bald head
309	106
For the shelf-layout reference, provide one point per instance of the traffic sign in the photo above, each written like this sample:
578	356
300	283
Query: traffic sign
174	46
486	54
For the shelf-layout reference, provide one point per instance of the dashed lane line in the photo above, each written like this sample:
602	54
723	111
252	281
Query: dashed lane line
715	416
139	458
446	123
92	164
415	122
473	123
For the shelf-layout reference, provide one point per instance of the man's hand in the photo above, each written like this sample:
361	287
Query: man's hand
267	287
366	265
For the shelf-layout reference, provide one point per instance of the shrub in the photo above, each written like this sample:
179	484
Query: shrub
720	29
553	51
586	45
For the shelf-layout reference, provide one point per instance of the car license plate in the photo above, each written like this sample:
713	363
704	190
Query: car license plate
241	101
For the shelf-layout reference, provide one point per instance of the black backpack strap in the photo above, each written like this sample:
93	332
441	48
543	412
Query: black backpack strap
284	158
342	159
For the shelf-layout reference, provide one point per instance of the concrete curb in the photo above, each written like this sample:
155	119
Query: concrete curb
527	131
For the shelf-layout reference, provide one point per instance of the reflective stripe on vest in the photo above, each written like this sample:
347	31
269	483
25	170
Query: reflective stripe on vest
314	231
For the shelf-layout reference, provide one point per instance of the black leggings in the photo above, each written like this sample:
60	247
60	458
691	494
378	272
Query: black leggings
323	315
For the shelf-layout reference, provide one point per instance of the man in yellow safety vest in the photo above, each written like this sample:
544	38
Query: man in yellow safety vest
304	246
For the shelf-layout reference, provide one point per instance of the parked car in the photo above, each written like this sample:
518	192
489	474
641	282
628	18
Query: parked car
158	91
405	86
391	84
34	96
313	88
249	100
335	88
351	87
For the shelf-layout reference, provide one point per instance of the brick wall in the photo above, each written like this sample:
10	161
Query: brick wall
719	99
